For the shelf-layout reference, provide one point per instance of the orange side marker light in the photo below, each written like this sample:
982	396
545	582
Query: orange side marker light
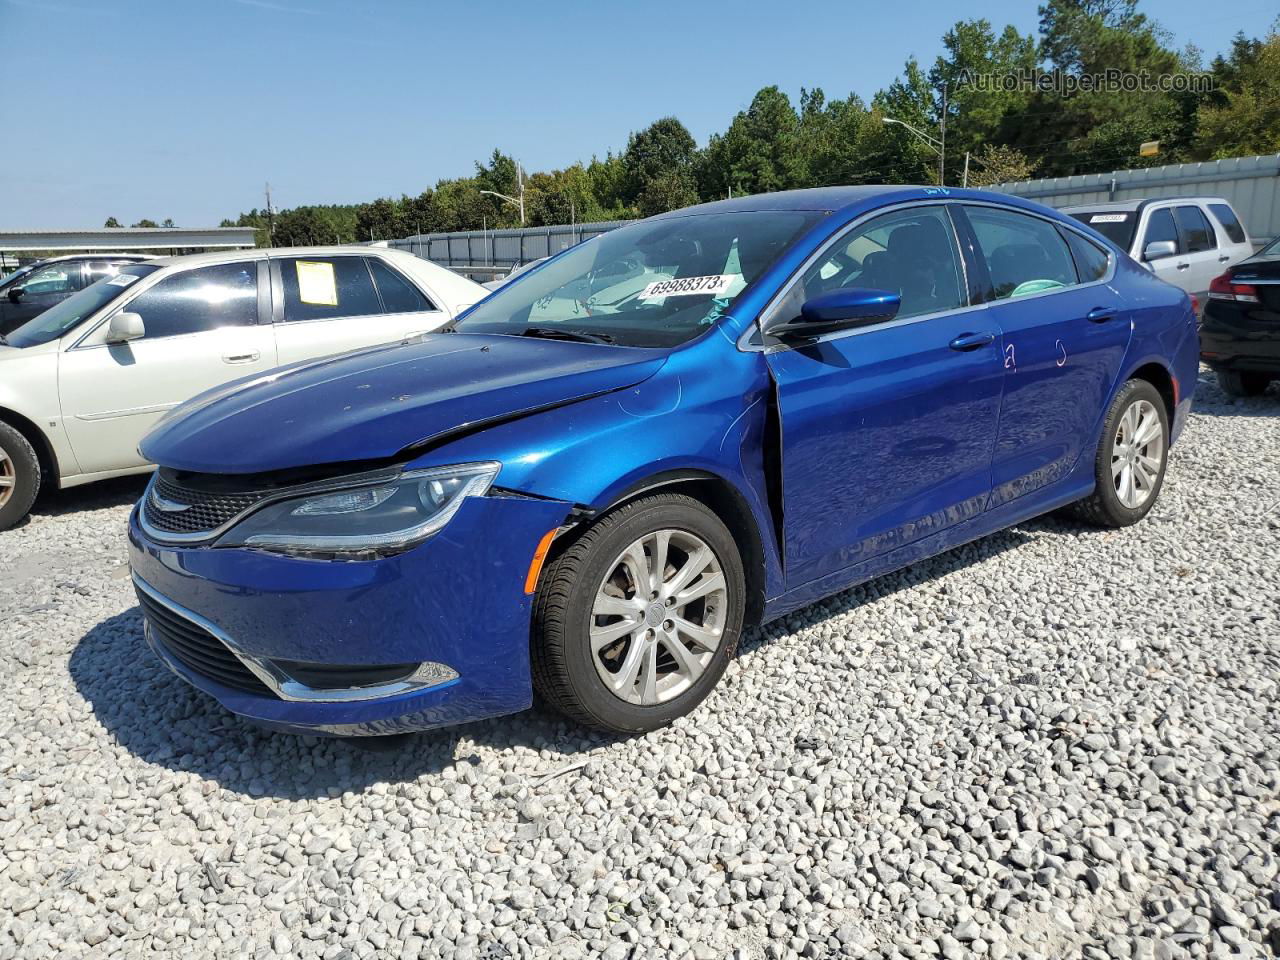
539	557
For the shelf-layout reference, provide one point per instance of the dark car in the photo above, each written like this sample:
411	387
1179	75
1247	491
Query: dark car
1240	338
33	289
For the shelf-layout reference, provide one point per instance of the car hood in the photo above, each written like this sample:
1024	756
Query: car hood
373	404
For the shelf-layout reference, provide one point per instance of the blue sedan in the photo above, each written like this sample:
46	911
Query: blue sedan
596	478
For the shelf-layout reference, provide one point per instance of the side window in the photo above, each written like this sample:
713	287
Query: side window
1160	227
1091	259
398	294
1024	254
327	287
55	278
1230	222
193	301
909	252
1195	229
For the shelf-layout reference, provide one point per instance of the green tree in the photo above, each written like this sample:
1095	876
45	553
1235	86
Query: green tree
168	222
996	163
659	167
1244	116
112	224
759	153
146	223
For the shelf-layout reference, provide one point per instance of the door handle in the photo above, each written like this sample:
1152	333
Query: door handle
1183	266
1100	314
972	341
1223	258
249	357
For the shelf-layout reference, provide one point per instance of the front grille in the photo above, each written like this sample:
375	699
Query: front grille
198	649
205	511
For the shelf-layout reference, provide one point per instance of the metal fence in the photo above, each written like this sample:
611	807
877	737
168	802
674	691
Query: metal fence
1250	184
484	254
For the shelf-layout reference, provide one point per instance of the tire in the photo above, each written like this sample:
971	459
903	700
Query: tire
1109	505
19	476
592	572
1243	383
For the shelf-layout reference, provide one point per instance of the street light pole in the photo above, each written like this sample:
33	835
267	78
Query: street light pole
942	149
518	201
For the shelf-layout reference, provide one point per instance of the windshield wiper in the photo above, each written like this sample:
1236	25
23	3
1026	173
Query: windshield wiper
3	340
556	333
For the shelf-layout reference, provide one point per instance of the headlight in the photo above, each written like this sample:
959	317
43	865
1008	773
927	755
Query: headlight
372	519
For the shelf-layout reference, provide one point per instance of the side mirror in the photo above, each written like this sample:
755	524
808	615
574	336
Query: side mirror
1158	249
15	294
838	310
124	327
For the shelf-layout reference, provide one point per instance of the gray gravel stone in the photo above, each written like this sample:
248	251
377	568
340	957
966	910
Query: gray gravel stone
1053	742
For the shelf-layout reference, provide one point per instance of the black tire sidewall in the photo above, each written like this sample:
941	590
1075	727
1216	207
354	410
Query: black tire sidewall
594	696
26	480
1109	499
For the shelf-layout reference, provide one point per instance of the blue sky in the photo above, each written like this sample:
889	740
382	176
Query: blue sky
183	108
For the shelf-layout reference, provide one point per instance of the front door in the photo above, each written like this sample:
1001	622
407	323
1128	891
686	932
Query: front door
887	429
203	327
1064	340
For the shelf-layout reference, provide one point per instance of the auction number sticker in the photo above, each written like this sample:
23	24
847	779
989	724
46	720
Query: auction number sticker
687	286
1109	218
122	279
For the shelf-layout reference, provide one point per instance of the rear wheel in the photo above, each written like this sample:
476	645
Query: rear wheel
1130	463
635	622
19	476
1243	383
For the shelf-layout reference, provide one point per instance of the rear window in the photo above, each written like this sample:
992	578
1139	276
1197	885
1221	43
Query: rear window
1230	223
1116	225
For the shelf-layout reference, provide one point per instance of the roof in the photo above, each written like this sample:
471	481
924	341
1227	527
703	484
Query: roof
830	199
259	253
1128	206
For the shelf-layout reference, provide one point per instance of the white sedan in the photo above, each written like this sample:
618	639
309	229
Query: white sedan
82	382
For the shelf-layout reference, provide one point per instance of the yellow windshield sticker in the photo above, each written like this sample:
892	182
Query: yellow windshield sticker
316	283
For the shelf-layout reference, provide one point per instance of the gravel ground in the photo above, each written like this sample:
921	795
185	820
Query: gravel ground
1055	742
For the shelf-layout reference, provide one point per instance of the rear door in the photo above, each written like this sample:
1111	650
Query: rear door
1233	240
204	326
1200	249
332	304
1065	335
887	429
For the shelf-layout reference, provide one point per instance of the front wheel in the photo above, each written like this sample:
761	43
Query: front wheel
1243	383
636	620
19	476
1130	463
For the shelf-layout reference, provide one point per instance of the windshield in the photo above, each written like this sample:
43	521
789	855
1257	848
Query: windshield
1116	227
8	278
61	317
657	283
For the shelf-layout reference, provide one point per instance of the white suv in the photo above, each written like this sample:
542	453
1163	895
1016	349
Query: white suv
82	382
1186	241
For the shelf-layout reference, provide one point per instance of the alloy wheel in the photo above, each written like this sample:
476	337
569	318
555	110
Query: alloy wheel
8	477
1137	456
658	617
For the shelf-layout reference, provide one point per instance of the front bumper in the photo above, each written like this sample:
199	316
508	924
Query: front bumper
456	601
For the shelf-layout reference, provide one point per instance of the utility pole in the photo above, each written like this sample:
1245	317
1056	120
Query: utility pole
942	137
965	181
271	219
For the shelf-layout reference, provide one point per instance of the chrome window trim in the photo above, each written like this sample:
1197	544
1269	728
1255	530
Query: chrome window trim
744	345
428	674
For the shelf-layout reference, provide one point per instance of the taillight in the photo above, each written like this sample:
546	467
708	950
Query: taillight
1224	288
